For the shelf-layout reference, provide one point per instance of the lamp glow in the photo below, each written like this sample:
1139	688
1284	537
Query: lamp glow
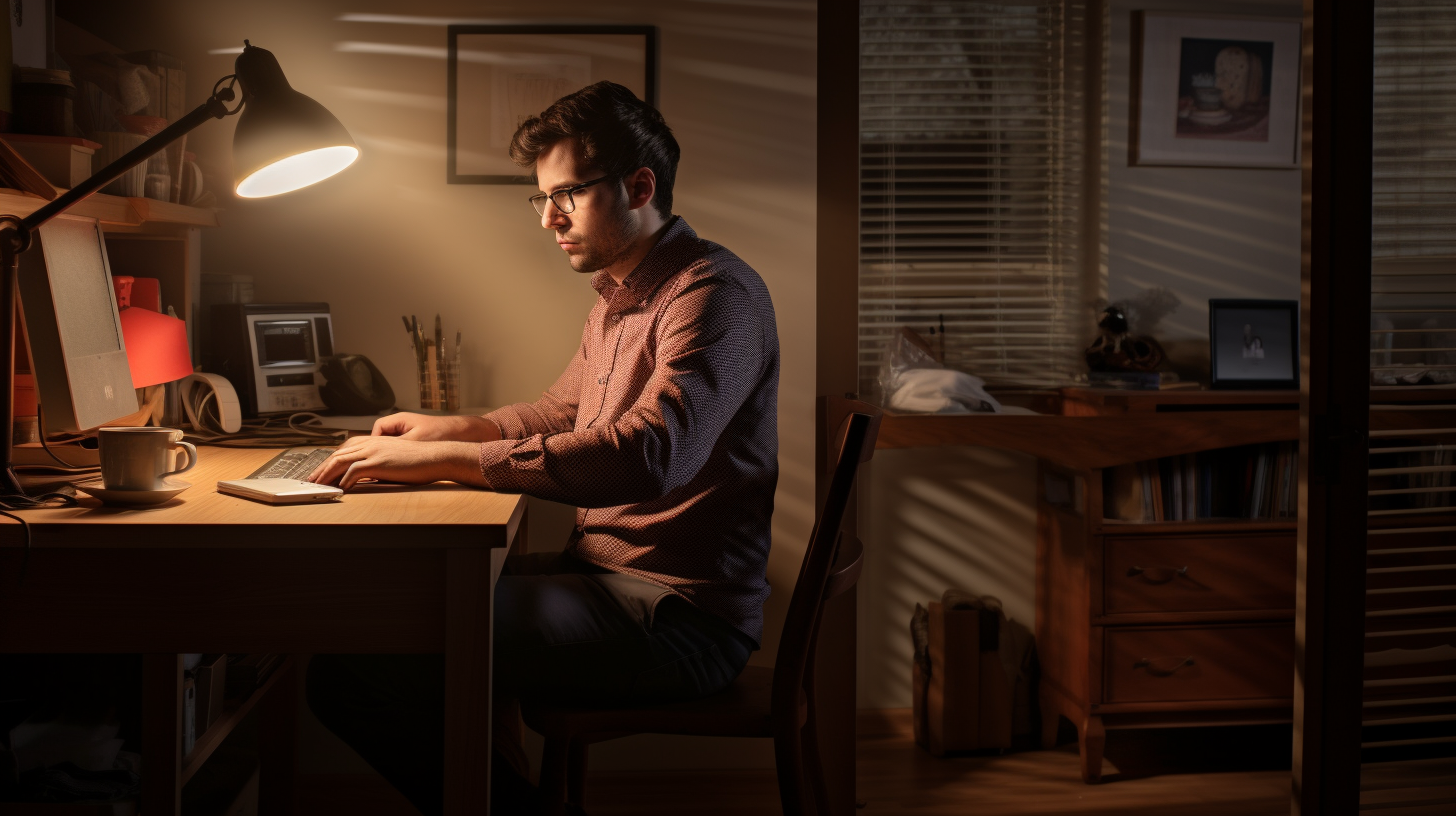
296	172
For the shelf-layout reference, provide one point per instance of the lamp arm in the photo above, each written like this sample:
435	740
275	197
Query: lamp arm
214	108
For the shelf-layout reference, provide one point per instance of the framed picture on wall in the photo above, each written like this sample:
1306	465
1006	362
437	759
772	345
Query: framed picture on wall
1213	91
1253	344
498	75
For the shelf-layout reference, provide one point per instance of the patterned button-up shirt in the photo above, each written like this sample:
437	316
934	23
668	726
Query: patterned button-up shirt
663	430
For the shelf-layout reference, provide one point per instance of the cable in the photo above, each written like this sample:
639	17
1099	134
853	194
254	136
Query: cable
51	499
61	464
294	431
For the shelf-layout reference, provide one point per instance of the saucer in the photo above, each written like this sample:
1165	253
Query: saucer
133	498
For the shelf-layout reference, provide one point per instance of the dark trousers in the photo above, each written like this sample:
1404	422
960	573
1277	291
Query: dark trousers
564	631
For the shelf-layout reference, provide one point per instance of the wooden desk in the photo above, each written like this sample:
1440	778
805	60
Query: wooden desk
387	570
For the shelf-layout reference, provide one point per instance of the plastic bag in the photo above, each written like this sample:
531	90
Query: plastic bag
913	381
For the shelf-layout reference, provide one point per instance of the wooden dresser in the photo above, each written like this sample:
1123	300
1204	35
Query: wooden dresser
1140	624
1162	623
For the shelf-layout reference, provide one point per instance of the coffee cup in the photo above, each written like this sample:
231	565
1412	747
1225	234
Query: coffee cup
140	458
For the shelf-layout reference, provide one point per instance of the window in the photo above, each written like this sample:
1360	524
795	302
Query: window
971	156
1413	277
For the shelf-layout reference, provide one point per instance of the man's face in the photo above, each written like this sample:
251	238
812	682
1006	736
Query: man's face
599	232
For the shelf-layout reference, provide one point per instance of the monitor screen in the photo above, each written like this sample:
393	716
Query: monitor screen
284	342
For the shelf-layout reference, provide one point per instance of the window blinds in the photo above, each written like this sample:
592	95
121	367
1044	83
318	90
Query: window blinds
970	169
1408	714
1415	128
1413	280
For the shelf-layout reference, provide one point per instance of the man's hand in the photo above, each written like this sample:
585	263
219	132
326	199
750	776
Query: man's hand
424	428
395	459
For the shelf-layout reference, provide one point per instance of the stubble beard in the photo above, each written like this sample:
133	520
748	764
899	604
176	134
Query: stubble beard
612	246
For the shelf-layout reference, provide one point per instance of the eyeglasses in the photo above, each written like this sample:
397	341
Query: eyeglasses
565	204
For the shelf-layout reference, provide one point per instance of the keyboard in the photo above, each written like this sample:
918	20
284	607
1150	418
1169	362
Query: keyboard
294	463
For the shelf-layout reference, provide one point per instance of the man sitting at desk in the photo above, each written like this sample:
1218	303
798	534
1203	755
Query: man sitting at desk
662	430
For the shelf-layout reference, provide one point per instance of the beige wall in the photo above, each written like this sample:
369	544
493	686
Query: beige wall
965	517
390	237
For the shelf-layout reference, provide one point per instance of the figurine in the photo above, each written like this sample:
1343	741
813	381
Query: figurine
1115	349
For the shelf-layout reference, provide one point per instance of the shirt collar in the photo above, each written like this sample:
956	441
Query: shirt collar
654	266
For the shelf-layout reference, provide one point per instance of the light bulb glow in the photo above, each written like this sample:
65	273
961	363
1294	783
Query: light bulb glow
297	171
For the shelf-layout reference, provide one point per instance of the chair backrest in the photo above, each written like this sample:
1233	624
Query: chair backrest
820	577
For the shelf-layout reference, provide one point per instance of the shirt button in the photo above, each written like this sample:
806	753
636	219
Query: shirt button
601	381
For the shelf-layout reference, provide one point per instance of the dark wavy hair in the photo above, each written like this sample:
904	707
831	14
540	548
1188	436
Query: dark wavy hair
615	132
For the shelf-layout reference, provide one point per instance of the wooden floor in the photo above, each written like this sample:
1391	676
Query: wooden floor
1191	772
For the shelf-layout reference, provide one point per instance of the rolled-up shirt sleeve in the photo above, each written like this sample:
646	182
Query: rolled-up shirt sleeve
709	356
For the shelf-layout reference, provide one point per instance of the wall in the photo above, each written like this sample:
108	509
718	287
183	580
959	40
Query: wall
965	517
390	237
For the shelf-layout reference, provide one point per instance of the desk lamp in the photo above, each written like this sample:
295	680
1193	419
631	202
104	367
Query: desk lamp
284	141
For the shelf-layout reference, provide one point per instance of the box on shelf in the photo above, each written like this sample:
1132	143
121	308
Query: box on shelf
64	161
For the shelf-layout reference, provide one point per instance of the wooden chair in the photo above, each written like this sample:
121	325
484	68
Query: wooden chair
762	702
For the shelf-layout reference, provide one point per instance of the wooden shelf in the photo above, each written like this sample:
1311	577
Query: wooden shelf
1104	401
209	740
1210	525
1086	442
116	213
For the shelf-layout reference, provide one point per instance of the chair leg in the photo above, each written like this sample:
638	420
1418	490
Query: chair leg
555	758
788	759
813	765
576	772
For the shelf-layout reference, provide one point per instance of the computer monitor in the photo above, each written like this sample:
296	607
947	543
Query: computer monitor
74	330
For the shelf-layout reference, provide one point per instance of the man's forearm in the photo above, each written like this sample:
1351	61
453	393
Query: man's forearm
462	463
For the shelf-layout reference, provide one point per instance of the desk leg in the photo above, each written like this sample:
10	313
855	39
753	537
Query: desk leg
278	744
162	734
468	621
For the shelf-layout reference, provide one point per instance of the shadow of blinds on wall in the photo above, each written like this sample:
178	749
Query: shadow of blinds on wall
1408	733
971	151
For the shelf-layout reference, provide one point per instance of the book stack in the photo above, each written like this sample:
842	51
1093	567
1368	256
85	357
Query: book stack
1248	482
165	81
1138	380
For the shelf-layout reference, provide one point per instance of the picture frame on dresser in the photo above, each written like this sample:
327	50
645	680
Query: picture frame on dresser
1253	344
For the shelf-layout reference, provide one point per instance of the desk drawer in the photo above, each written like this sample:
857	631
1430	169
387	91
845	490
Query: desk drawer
1198	573
1186	664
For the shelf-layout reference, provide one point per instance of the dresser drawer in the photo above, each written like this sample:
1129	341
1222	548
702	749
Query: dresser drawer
1186	664
1197	573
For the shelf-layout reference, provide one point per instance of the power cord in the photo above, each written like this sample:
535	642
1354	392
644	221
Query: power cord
51	499
272	432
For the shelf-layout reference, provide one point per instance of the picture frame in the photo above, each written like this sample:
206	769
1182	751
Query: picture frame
1215	91
499	74
1253	344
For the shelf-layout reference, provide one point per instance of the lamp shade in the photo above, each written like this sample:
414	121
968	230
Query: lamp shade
156	344
284	140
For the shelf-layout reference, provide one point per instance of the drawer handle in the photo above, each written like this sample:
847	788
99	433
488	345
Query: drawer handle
1163	666
1157	575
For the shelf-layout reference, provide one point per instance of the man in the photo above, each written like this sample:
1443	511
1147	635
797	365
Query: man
662	430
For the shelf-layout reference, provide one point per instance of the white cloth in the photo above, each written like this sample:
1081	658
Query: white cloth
940	391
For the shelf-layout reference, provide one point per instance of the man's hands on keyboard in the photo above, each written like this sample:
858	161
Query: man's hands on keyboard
396	459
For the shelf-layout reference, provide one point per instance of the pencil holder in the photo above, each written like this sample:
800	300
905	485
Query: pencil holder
429	388
450	392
